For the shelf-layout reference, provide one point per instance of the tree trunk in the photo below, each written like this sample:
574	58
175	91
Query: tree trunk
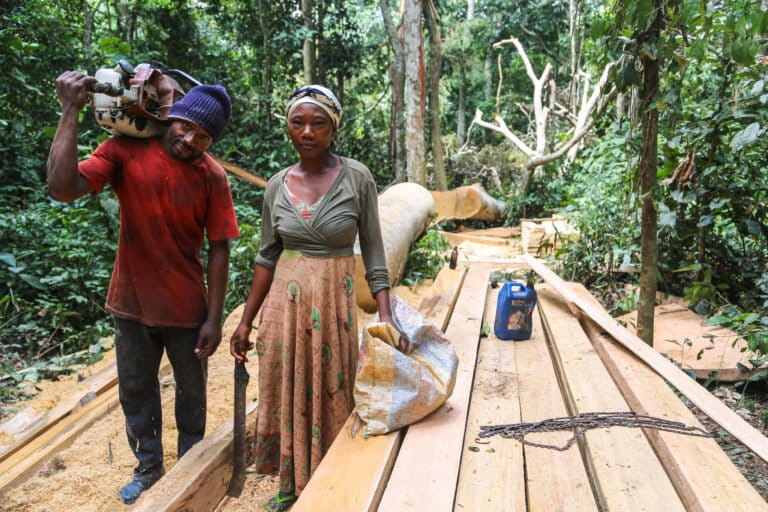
397	75
574	22
619	107
461	114
435	68
414	92
647	168
308	51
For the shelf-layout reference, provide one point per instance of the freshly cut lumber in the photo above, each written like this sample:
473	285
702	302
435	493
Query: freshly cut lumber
457	238
469	202
240	172
625	473
709	404
685	338
405	210
29	423
199	480
555	480
704	476
431	450
443	293
354	471
502	232
492	476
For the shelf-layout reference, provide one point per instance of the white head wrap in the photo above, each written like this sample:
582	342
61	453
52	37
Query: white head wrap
317	95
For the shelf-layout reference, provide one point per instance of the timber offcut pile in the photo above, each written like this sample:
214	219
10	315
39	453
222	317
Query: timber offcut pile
541	237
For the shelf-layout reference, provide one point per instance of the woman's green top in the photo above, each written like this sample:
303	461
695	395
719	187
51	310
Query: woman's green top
349	207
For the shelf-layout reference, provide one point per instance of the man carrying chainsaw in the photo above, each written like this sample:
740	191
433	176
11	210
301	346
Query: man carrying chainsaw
171	192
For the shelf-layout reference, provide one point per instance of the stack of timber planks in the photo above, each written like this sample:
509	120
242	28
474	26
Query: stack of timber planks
544	236
706	350
564	369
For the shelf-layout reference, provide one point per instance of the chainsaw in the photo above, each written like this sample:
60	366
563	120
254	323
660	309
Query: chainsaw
135	101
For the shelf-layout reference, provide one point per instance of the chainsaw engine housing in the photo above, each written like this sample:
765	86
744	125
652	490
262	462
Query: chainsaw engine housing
141	109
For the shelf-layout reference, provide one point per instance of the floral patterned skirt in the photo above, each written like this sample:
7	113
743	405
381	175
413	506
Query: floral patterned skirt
307	347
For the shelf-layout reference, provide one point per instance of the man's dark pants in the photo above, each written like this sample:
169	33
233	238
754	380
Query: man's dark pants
139	351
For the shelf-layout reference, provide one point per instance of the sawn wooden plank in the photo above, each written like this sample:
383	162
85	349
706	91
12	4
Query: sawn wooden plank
426	470
367	462
704	476
708	403
555	480
625	473
492	475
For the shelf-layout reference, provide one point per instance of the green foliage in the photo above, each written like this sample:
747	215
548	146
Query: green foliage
243	255
601	198
426	258
752	327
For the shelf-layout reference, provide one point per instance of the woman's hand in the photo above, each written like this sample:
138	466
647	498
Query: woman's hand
402	343
240	344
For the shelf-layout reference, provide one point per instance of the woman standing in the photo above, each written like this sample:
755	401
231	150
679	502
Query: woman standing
307	336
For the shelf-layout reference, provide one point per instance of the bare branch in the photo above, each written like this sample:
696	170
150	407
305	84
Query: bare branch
577	136
521	51
500	126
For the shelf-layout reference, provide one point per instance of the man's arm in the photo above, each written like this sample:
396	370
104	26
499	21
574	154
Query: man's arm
65	183
218	270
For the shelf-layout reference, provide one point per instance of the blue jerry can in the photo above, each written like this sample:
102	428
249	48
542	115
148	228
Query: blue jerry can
514	308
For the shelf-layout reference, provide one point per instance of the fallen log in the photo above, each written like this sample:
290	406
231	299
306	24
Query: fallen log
708	403
469	202
405	210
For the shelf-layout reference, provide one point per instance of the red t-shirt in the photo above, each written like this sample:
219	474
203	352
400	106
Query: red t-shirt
165	206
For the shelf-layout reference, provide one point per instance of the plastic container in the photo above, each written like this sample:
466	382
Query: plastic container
514	309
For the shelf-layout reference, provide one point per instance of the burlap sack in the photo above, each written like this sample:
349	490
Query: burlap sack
393	389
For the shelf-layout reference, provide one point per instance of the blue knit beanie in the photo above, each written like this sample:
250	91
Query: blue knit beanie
208	106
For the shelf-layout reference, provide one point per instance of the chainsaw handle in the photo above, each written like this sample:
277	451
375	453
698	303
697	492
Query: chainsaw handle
105	88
